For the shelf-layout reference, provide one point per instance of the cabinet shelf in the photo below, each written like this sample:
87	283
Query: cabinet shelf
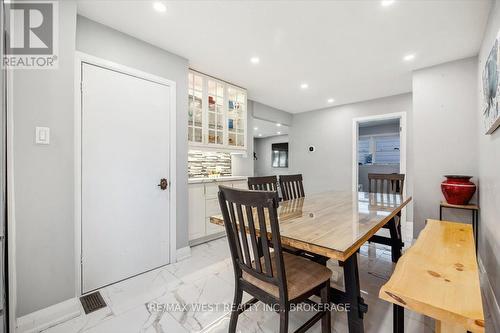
217	119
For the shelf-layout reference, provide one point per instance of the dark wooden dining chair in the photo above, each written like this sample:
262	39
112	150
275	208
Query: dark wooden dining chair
267	183
270	183
291	187
386	183
392	183
277	278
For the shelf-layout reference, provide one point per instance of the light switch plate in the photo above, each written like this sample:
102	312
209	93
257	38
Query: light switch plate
42	135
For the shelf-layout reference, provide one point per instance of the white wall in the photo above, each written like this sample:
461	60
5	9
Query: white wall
263	165
44	176
444	136
489	173
330	131
101	41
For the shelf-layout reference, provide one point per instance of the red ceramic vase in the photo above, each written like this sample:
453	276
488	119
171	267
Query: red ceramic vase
458	190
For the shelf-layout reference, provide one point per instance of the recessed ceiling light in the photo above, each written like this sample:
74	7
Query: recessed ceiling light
278	124
254	60
330	100
255	128
260	134
386	3
304	86
278	132
159	7
409	57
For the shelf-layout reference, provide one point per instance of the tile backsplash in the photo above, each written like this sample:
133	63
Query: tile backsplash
203	164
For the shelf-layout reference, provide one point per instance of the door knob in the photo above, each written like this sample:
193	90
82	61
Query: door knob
163	184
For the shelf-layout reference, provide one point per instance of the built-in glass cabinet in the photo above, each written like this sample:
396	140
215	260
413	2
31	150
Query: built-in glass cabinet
217	113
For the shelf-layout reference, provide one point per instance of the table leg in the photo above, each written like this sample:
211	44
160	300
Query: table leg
353	295
440	213
395	240
398	317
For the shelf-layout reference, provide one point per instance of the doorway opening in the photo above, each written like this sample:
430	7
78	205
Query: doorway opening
379	146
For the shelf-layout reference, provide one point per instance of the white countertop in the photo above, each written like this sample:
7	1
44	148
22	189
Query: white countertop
215	179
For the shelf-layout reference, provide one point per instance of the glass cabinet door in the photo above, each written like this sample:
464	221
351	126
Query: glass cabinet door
236	110
195	110
215	112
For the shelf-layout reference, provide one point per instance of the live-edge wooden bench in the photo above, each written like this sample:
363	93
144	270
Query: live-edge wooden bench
438	277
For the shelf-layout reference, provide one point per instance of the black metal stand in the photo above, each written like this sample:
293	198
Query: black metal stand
398	318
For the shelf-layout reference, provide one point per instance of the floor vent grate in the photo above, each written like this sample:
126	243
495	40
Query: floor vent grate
92	302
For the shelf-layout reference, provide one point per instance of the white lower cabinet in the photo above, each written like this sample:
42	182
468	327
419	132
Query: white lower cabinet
196	212
203	203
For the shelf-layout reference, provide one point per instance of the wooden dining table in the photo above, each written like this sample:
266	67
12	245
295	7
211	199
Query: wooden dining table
335	225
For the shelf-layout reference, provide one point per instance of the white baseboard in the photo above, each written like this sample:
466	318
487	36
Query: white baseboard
183	253
491	301
48	317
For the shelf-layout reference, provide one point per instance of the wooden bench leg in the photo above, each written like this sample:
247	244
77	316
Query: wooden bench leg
398	318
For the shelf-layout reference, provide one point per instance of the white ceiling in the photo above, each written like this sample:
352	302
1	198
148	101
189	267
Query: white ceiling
348	50
264	129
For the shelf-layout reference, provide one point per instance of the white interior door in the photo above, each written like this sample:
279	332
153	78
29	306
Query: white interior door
125	153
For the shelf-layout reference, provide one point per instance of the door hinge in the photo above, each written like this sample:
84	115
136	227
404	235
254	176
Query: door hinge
81	86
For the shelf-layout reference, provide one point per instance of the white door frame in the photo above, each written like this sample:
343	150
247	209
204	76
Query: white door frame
86	58
355	135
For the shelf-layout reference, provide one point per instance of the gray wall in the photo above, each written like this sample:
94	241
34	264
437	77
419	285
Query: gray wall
44	176
262	147
330	131
266	112
489	175
445	140
104	42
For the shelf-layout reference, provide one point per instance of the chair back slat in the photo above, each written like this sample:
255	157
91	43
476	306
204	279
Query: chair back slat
244	240
241	209
386	183
253	238
292	187
234	228
265	242
268	183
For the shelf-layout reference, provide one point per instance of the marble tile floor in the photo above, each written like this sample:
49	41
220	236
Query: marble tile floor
206	278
